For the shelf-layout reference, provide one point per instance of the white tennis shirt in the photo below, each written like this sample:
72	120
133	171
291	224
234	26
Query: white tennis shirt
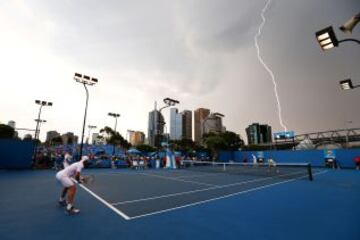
71	170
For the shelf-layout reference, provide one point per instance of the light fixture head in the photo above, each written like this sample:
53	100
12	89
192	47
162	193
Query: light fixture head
84	79
327	38
346	84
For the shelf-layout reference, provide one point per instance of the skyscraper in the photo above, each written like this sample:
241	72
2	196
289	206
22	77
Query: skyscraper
199	116
213	123
258	133
136	137
187	124
176	126
155	126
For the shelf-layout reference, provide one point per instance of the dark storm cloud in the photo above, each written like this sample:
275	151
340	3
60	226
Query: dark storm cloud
204	50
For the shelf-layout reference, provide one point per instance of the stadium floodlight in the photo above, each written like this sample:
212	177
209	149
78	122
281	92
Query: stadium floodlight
114	115
38	120
170	101
327	38
347	84
84	80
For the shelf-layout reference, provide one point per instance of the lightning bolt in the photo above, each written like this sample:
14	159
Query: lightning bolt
258	34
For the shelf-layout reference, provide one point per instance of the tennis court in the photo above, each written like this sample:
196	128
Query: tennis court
185	203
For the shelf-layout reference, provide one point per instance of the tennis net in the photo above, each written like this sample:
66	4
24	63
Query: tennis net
283	170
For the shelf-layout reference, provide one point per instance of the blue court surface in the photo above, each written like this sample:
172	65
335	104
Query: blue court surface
182	204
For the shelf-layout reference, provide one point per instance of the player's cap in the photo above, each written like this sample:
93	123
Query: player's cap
84	158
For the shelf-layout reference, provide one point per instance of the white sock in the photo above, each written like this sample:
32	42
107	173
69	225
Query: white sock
69	206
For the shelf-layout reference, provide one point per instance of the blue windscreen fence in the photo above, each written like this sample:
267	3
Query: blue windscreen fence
16	154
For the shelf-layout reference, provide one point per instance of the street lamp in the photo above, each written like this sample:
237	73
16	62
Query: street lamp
84	80
38	120
90	128
327	38
115	115
347	84
169	102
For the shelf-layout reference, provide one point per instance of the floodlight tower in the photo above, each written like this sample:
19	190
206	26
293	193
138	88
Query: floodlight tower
169	102
84	80
38	120
114	115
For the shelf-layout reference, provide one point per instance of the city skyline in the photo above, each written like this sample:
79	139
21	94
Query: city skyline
203	55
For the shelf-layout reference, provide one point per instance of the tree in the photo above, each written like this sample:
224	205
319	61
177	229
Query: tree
6	131
145	148
115	138
227	141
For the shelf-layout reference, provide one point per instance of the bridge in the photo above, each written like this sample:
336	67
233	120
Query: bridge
339	136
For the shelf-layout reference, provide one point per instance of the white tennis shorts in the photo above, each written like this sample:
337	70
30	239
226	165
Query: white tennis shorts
65	180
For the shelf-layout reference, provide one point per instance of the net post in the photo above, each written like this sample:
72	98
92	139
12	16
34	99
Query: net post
309	172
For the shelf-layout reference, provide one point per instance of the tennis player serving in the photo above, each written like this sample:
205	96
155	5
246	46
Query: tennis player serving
67	178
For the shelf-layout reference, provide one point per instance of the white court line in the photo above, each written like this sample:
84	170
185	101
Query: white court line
179	180
105	202
199	175
222	197
204	189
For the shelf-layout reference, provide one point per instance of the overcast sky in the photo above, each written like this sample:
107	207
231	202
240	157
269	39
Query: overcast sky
200	52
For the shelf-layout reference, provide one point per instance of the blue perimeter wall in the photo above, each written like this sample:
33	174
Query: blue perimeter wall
344	157
15	154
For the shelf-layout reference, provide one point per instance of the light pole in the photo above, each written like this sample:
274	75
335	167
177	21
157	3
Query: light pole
115	115
327	38
169	102
90	127
38	120
84	80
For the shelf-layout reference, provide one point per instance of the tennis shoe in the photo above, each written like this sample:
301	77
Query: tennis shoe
72	211
62	203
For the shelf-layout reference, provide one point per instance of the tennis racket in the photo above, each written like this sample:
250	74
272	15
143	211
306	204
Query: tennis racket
87	180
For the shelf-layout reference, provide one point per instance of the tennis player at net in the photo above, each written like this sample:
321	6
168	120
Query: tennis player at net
66	178
272	165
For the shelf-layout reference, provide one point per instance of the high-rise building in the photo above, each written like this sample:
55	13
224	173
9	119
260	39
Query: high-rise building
155	126
50	135
258	133
199	116
69	138
213	123
12	124
187	124
136	137
176	126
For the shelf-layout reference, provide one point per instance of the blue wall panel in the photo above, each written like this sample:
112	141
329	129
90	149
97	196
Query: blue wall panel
15	154
344	157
